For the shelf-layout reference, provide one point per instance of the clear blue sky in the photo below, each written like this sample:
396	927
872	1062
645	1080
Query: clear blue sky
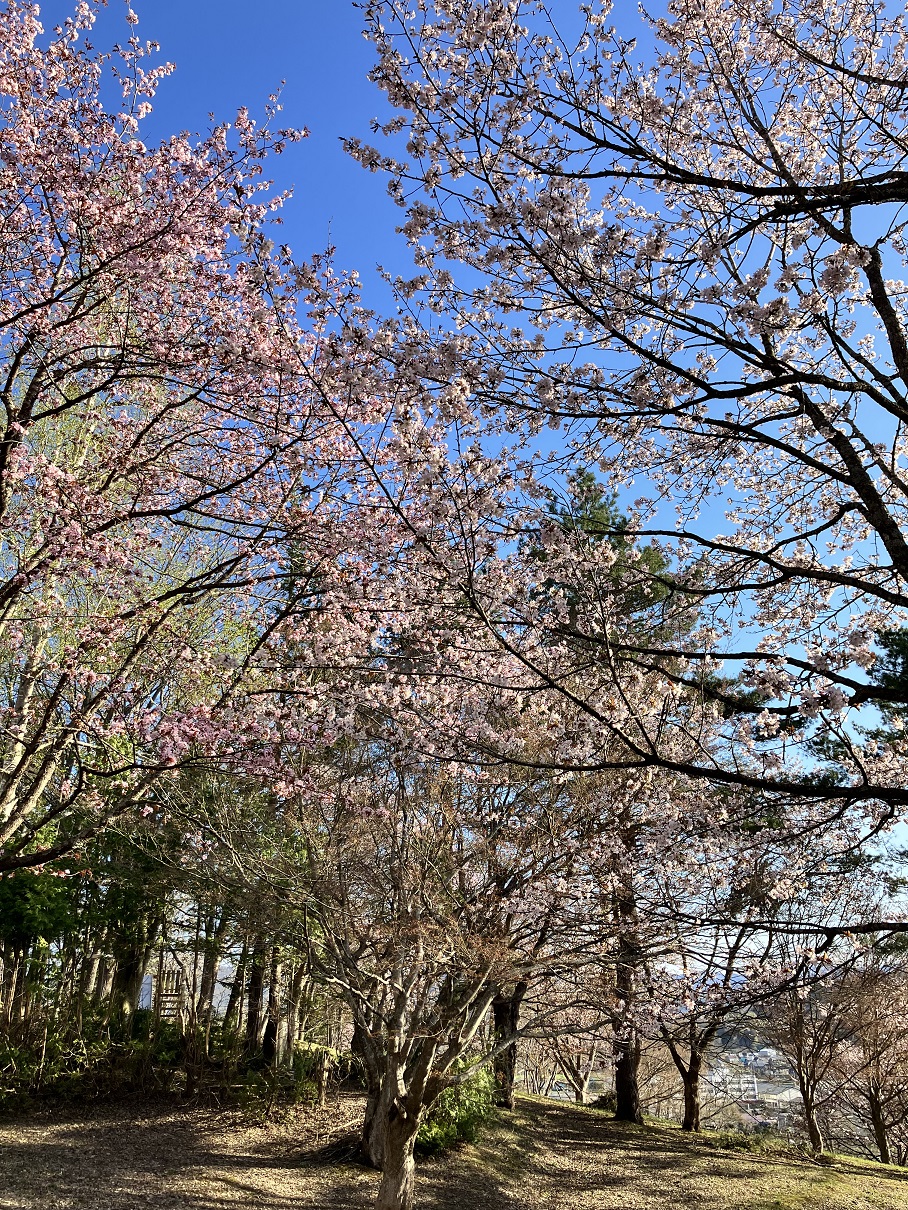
230	53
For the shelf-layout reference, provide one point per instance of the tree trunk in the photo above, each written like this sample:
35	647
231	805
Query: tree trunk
373	1138
627	1040
814	1134
254	996
321	1077
36	978
130	972
132	962
690	1071
215	928
234	1001
93	949
11	963
627	1089
880	1133
691	1081
398	1178
506	1019
20	984
104	977
577	1068
205	998
813	1130
89	974
289	1033
273	1021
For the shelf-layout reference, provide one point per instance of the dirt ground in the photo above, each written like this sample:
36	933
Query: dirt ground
544	1156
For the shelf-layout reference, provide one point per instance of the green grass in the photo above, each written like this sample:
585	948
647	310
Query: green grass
565	1156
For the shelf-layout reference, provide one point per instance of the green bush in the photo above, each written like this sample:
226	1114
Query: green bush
308	1056
59	1066
459	1113
758	1141
100	1060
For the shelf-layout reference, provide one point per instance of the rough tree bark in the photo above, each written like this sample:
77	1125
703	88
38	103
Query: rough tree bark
878	1122
627	1040
235	999
627	1089
811	1121
215	928
505	1022
273	1017
295	1017
132	960
398	1177
366	1048
254	996
691	1081
690	1071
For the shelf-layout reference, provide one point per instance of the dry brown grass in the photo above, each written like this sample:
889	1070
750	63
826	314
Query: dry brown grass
544	1156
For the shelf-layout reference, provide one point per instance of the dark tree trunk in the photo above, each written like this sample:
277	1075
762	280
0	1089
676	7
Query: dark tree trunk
288	1036
215	928
627	1090
16	1011
104	980
272	1024
814	1133
691	1081
11	962
128	982
234	1000
505	1023
811	1122
254	996
627	1041
269	1042
690	1070
372	1141
322	1072
878	1121
131	965
21	986
206	983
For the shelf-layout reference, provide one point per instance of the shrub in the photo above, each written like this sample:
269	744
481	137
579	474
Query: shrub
459	1113
759	1141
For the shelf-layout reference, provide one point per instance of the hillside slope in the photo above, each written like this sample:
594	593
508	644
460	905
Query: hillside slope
549	1156
544	1156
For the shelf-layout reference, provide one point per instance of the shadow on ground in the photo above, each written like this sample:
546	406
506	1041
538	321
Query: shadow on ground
544	1156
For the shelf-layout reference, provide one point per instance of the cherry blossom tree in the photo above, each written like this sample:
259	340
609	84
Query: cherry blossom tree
706	977
421	888
872	1060
577	1037
685	253
173	430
